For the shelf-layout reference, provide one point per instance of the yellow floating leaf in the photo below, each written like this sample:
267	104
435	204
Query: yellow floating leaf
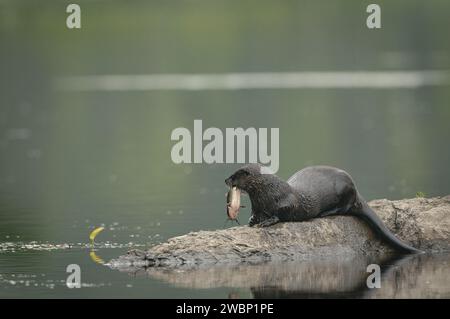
95	232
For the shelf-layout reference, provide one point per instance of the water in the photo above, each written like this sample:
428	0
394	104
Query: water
72	160
423	276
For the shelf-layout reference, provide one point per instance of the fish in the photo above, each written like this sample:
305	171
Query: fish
233	203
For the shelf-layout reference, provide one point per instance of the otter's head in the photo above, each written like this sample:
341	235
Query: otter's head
245	177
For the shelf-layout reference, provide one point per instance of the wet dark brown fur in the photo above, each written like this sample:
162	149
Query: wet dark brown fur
313	192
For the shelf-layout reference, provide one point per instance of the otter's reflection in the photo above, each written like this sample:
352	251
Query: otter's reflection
413	276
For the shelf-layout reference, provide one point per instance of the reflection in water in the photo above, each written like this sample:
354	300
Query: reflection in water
95	258
260	80
414	276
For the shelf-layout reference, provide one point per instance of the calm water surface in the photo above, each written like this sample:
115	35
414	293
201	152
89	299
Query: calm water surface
73	160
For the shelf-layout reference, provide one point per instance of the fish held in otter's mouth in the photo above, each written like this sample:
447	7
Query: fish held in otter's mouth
233	202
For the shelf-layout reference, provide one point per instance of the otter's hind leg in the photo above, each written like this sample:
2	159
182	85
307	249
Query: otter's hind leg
334	211
342	210
346	194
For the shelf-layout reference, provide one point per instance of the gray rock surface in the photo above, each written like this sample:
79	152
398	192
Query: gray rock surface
422	222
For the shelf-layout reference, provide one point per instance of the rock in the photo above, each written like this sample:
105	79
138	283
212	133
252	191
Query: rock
422	222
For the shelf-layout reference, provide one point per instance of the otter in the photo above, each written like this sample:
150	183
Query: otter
313	192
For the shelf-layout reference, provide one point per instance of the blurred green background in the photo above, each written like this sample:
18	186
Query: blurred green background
72	160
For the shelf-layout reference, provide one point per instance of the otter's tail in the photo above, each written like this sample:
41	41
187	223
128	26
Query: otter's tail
369	216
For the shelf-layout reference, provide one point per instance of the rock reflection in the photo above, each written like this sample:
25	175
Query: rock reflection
414	276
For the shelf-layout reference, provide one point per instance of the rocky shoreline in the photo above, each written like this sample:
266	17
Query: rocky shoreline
422	222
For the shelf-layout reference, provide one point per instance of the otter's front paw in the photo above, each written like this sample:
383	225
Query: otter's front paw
252	221
269	222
